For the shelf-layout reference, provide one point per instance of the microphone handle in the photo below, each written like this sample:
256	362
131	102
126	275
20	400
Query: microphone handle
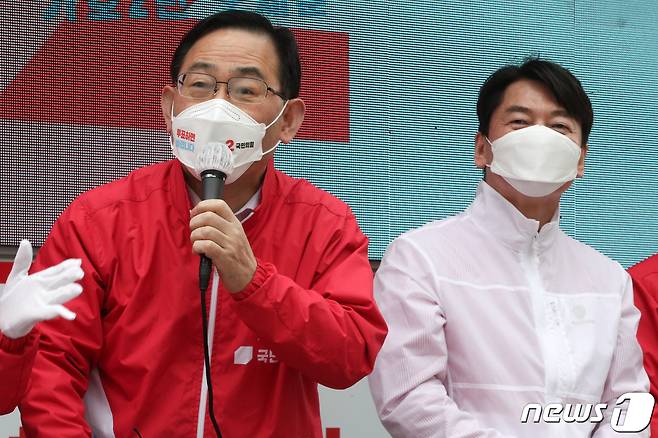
212	182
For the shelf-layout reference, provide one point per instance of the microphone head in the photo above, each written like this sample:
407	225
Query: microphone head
215	156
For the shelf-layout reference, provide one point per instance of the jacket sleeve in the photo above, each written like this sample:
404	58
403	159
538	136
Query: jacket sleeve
645	292
68	350
16	359
410	378
332	331
626	373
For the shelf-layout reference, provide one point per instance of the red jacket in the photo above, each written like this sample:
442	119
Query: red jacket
307	317
16	359
645	285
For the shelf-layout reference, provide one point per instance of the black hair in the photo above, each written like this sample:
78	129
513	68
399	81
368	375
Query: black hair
290	72
564	86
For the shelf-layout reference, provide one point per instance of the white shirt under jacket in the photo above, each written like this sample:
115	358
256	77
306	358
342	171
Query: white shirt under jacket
486	314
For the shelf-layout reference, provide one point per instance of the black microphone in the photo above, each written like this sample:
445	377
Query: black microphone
213	164
212	181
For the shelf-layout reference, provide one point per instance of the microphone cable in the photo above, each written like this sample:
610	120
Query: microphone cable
206	359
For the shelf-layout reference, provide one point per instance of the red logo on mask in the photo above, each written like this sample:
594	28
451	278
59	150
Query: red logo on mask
231	144
185	135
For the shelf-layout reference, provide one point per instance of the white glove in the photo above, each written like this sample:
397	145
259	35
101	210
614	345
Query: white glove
28	299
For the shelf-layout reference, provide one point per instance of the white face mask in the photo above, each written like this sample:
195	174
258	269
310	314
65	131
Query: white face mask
535	160
220	122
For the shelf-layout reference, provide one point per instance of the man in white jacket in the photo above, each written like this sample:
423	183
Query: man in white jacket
497	308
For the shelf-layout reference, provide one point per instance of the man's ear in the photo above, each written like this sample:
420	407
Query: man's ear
291	119
483	154
167	102
581	161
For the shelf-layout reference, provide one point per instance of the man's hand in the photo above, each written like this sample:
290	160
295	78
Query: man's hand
28	299
218	234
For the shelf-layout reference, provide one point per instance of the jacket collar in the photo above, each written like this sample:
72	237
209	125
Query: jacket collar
271	189
501	219
242	214
180	197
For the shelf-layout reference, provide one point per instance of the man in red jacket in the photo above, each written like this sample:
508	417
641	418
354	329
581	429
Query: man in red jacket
645	285
290	302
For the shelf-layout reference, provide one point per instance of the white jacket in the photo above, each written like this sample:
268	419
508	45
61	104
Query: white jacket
486	314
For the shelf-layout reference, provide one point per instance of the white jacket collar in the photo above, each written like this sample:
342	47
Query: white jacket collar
501	219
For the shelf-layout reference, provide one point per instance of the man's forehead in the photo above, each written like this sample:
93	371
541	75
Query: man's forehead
527	96
552	109
212	67
235	51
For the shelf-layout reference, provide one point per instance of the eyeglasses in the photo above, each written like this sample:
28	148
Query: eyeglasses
204	86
